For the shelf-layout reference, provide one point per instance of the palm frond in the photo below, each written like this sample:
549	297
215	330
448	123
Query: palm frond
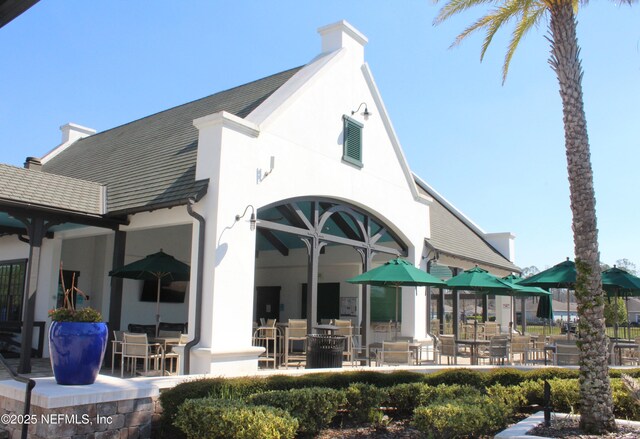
531	17
454	7
504	14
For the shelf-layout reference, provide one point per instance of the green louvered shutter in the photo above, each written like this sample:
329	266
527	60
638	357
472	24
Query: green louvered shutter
352	152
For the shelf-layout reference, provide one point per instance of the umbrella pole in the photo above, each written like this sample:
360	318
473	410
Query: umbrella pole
396	328
158	308
568	314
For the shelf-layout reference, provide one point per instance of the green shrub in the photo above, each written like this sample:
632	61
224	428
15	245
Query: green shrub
504	376
445	392
551	373
406	397
209	387
565	395
457	376
532	391
467	416
624	404
314	408
364	401
209	418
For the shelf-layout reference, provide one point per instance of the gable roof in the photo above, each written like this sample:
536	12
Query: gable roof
27	187
453	234
150	163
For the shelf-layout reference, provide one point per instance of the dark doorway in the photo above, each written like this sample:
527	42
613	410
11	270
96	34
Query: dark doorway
267	303
328	301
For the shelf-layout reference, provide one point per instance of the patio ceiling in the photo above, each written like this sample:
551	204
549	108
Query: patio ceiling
281	227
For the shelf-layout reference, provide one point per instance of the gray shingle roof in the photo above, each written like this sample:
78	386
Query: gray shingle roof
150	163
26	186
450	235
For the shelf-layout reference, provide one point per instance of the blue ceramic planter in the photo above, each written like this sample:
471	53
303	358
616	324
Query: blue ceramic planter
77	350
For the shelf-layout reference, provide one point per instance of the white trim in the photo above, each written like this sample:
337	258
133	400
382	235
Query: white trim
67	140
284	96
395	142
228	120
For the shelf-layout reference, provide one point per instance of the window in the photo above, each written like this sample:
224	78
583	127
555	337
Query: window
12	274
352	140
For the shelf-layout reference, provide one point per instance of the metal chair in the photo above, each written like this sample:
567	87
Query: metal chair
116	347
345	329
567	353
267	337
296	331
519	346
448	348
498	350
135	347
395	352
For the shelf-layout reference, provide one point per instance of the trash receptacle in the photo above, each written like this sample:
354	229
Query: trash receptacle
324	351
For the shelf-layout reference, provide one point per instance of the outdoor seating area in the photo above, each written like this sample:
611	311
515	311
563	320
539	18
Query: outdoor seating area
146	355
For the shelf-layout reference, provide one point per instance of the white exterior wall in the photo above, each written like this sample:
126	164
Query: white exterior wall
303	131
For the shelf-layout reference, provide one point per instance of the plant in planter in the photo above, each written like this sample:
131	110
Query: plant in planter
77	341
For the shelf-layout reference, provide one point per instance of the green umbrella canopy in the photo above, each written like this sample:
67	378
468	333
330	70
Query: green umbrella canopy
562	275
524	290
477	279
619	282
156	266
396	272
545	308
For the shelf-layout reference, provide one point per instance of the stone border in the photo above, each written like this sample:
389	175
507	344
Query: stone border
520	430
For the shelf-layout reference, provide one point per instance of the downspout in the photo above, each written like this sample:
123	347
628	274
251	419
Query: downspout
199	274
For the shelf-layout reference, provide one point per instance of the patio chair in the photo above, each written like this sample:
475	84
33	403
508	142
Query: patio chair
116	347
567	353
163	333
519	346
395	352
498	350
448	348
267	337
172	356
345	329
295	333
136	347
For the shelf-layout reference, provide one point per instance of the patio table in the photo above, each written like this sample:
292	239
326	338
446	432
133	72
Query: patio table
617	348
475	347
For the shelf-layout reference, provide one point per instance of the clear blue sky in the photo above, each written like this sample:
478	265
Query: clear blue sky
496	152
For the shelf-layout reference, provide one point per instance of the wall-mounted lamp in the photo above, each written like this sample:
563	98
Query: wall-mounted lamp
272	165
252	218
365	113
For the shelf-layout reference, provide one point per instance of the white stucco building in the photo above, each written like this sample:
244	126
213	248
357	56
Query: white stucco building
330	191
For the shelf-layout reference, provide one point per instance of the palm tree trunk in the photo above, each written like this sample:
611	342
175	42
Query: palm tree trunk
596	404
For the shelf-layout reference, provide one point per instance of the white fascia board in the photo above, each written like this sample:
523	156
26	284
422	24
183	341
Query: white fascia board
228	120
284	96
461	216
386	121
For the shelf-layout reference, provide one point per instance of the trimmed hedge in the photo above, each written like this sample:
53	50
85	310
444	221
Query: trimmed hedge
404	388
364	402
213	418
314	408
469	415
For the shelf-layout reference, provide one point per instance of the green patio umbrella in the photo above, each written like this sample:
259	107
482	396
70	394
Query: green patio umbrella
397	273
477	279
157	266
523	290
562	275
619	283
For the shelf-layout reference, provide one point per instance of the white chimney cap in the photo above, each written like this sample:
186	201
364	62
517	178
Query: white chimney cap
342	35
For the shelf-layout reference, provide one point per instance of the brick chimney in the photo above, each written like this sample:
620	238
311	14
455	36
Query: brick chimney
33	163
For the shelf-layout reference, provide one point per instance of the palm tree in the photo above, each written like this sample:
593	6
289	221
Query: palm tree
596	404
